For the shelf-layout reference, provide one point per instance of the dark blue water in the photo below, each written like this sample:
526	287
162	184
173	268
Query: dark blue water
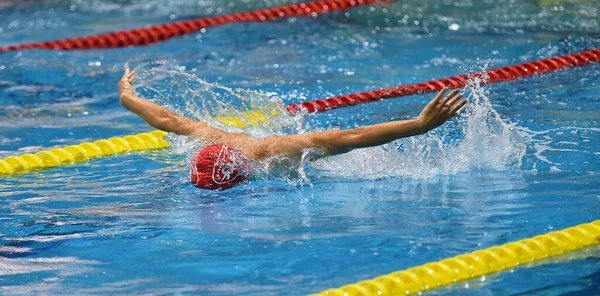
523	160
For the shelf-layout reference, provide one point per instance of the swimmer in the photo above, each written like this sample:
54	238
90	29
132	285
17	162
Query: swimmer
227	159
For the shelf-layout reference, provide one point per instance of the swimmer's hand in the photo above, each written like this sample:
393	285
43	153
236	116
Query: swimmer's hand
440	110
125	83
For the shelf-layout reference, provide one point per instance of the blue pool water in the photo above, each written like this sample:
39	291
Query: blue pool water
524	158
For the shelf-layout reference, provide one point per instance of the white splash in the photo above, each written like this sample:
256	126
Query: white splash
181	91
477	139
484	141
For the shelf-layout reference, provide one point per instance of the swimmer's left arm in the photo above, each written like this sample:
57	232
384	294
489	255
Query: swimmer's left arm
436	113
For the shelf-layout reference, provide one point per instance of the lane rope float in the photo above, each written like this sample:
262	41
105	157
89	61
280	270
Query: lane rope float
159	33
506	73
82	152
471	266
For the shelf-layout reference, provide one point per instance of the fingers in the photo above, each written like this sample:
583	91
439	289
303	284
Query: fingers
440	95
128	73
451	101
450	96
125	74
131	76
457	107
128	76
433	103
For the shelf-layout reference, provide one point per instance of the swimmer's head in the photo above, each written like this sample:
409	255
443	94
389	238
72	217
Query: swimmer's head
219	167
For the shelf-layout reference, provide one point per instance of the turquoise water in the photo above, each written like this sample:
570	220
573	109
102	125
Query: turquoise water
522	160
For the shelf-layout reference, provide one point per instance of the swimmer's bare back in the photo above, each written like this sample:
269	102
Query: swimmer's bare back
331	142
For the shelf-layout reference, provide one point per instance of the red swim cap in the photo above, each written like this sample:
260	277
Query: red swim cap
219	167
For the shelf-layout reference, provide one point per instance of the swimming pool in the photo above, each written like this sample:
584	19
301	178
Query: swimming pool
133	223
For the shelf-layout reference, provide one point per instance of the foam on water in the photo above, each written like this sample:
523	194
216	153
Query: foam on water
477	139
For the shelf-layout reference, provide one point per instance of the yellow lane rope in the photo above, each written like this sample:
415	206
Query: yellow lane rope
146	141
470	266
82	152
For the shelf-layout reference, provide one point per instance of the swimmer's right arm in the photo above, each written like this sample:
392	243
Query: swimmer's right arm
165	120
155	115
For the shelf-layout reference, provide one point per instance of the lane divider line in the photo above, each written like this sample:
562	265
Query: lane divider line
479	263
160	33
